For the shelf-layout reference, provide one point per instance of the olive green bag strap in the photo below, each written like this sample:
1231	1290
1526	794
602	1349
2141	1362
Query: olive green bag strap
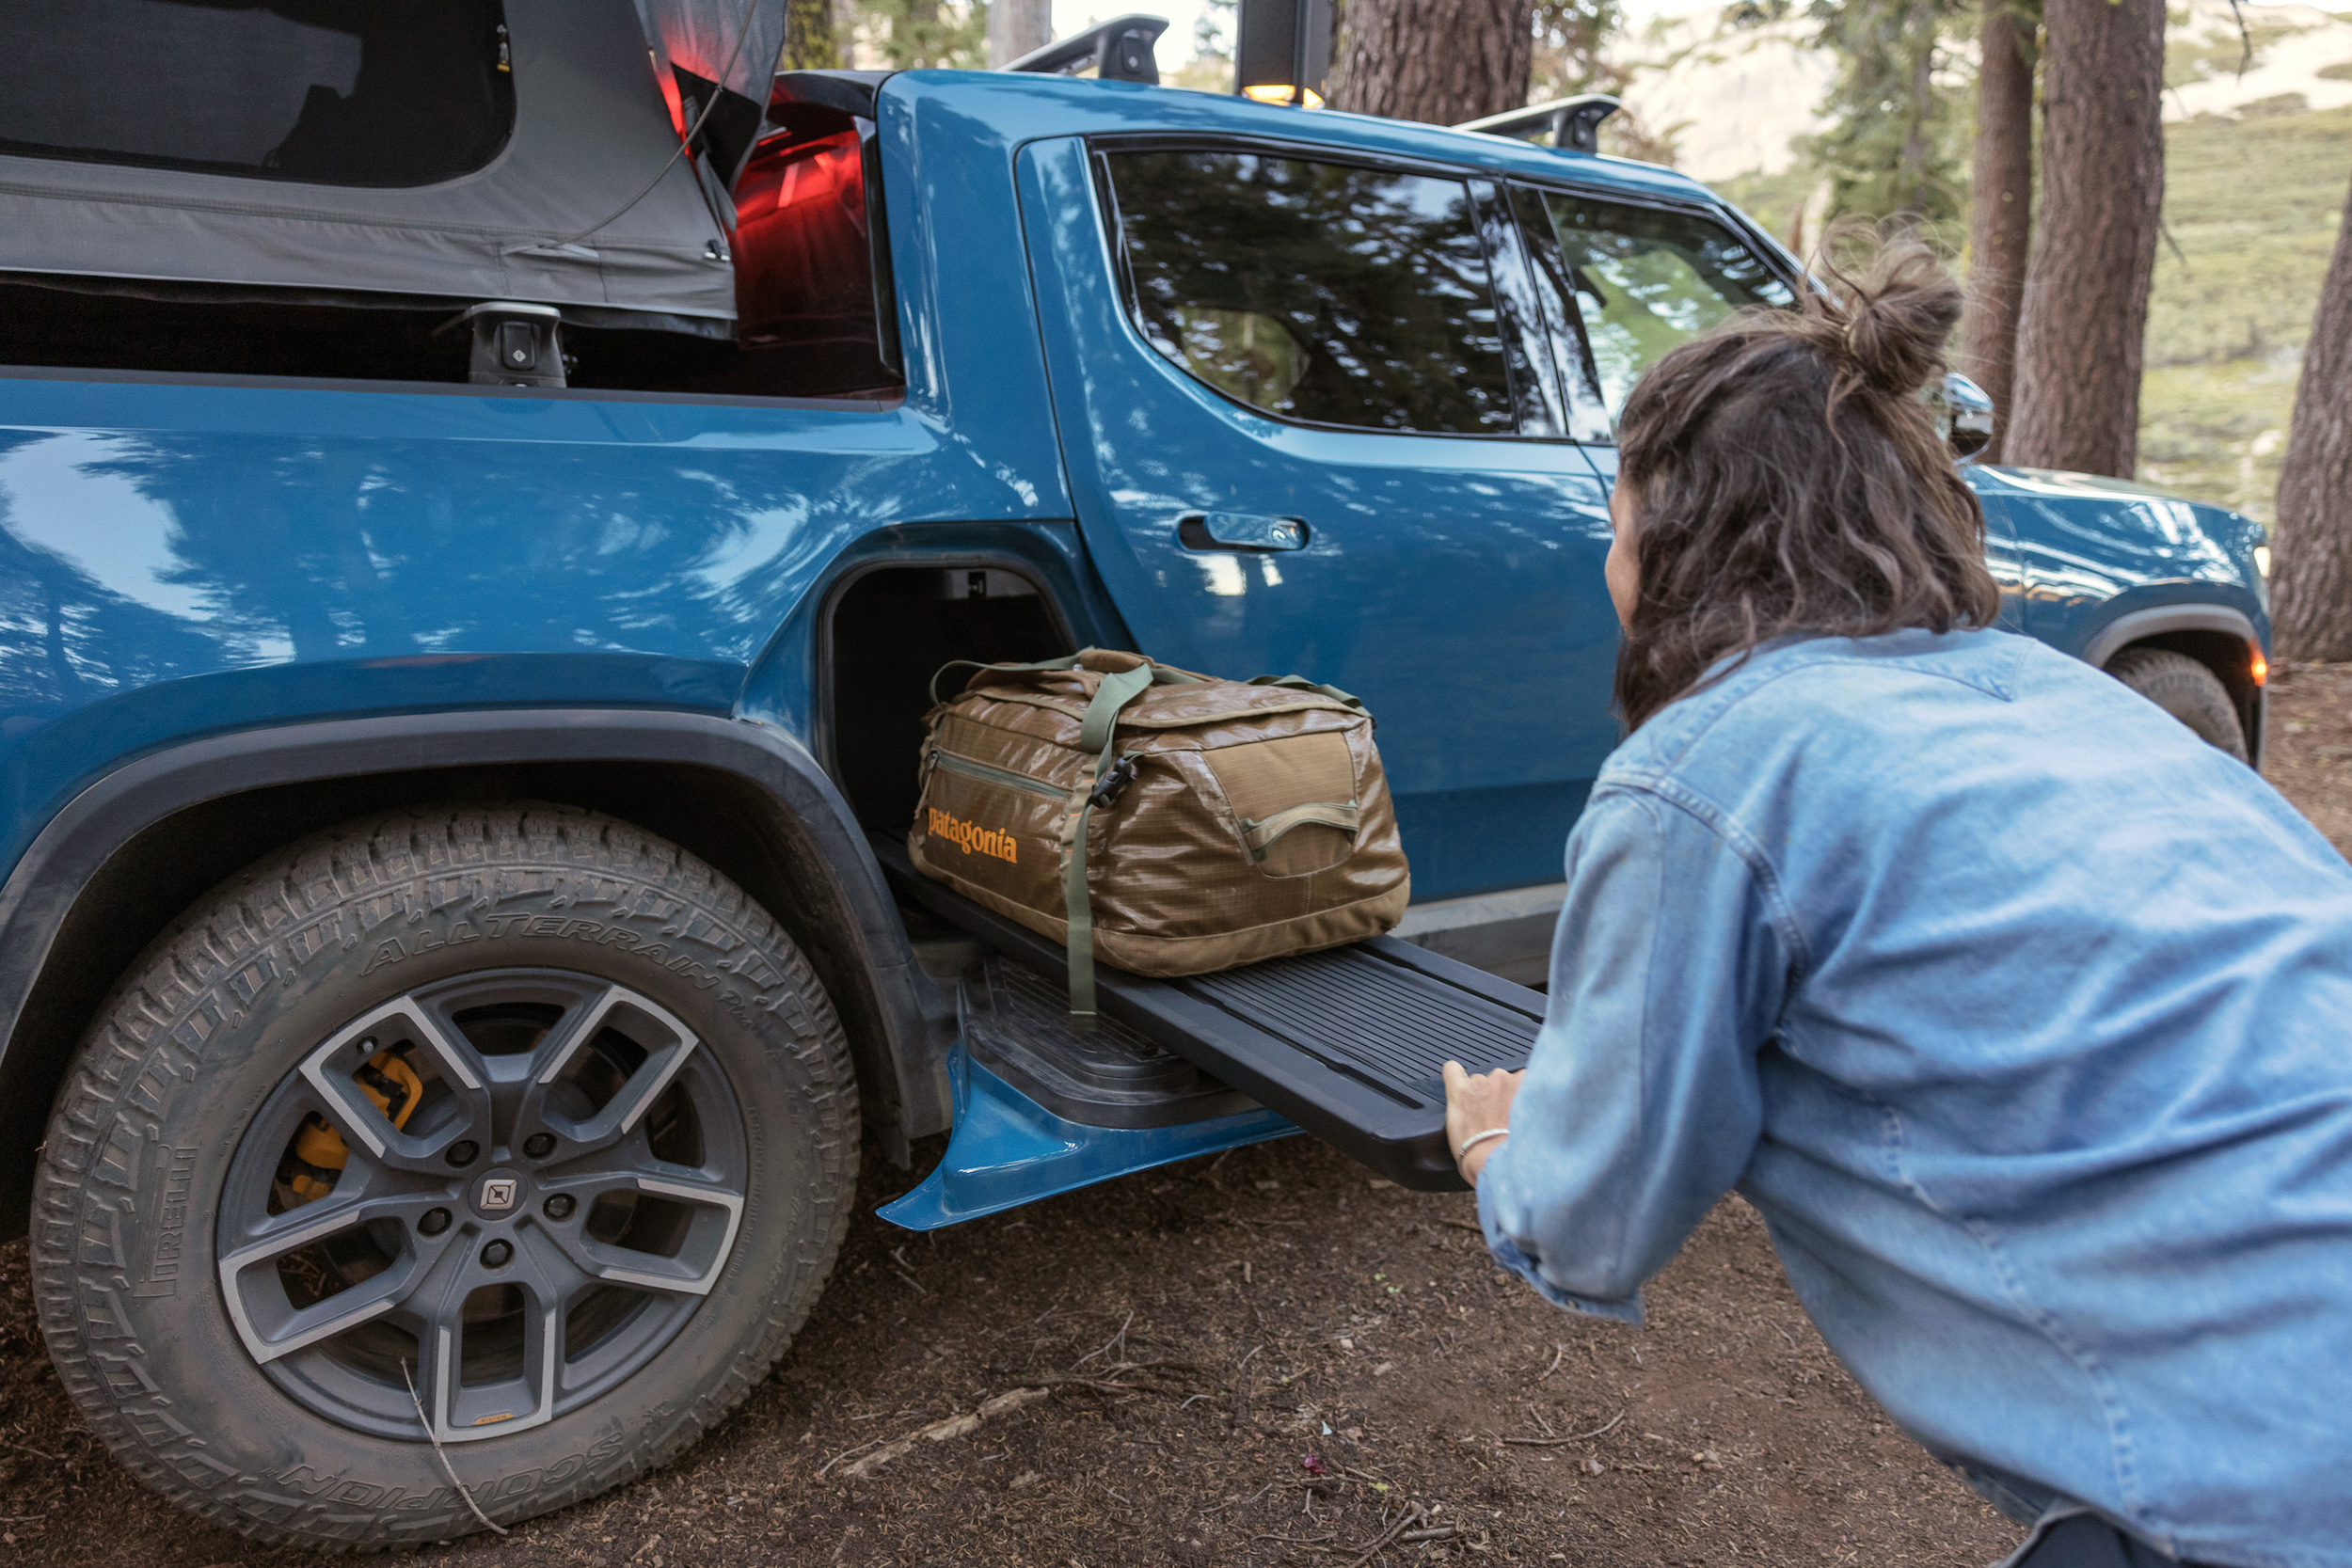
1301	683
1096	733
1067	661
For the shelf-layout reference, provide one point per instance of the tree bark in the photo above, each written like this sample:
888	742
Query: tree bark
1017	26
1443	61
2000	209
2086	311
2310	591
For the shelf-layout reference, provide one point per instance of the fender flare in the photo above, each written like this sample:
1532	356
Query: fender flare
108	814
2135	624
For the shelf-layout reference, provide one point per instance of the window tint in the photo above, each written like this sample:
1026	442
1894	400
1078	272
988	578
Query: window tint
1322	291
337	92
1643	280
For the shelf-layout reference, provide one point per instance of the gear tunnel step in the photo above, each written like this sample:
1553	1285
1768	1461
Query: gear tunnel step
1348	1043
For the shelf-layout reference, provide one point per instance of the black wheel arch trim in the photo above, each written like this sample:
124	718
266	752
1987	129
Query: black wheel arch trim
2133	625
2132	619
97	823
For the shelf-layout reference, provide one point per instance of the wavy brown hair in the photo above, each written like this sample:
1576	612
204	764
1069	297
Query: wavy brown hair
1787	478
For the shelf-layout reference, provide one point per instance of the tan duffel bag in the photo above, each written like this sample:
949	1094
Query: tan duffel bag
1163	821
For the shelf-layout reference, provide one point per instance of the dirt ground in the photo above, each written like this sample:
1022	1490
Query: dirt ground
1261	1359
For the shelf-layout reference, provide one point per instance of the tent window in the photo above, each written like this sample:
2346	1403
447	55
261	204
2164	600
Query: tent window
333	92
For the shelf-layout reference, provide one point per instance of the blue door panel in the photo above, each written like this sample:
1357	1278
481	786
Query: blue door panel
1453	582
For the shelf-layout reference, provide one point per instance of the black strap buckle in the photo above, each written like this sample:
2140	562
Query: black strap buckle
1112	785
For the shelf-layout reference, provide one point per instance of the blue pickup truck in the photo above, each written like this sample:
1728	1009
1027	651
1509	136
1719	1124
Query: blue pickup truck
477	521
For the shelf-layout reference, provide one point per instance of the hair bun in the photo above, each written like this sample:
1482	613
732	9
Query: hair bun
1897	318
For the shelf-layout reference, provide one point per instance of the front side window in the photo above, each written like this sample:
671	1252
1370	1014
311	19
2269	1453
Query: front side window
1644	280
1320	292
333	92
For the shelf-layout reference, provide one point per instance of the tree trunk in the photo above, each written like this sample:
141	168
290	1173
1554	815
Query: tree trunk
1017	26
2310	593
2086	312
2000	211
810	42
1443	61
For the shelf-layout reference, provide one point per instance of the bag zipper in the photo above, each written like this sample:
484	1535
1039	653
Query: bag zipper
971	770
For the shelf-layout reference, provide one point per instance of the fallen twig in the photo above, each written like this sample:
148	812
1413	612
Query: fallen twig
439	1454
1437	1532
1557	1352
938	1432
35	1452
1240	1502
1119	1339
1414	1513
1556	1442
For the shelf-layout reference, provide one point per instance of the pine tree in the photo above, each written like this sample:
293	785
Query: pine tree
2079	339
2311	603
2000	205
1443	61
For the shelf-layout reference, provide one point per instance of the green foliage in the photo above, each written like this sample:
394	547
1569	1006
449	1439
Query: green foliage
912	34
1569	36
2253	204
811	42
1896	143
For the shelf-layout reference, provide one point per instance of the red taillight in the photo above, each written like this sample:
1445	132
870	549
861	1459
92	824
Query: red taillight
2258	666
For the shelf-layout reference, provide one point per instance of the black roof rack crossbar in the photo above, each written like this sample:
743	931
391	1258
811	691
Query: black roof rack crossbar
1573	123
1120	50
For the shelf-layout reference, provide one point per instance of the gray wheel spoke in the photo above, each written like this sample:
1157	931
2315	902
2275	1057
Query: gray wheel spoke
712	1209
363	1124
622	1114
266	1318
460	1413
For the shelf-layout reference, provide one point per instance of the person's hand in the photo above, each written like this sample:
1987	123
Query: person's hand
1473	1104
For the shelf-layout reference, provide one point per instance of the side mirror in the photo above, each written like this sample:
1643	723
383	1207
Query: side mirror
1967	414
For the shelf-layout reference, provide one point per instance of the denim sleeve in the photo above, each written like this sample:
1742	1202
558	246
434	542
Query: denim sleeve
1641	1104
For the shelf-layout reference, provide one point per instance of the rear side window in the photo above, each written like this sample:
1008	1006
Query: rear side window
1320	292
335	92
1644	280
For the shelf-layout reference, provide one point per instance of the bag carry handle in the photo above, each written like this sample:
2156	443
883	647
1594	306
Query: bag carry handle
1301	683
1260	835
1161	674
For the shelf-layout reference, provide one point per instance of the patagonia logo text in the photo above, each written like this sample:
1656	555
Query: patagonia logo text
972	838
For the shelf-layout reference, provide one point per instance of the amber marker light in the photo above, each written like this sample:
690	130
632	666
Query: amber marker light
2257	666
1268	92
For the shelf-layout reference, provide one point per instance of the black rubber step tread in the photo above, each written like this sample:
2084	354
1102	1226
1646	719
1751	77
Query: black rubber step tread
1018	1025
1346	1043
1350	1005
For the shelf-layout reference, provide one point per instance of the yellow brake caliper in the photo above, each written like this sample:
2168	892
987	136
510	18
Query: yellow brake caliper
319	1151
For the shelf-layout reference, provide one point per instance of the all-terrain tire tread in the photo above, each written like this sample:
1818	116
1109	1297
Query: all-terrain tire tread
2186	689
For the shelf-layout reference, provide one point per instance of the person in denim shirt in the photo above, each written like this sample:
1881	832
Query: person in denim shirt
2022	1015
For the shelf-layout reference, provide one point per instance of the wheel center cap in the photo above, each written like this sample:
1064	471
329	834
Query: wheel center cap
499	1193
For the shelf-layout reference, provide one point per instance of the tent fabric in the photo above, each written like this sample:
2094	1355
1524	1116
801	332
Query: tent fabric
586	203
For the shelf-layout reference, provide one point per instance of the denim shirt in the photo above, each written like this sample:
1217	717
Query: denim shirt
2024	1017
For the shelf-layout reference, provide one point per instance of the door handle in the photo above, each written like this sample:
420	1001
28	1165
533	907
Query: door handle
1240	531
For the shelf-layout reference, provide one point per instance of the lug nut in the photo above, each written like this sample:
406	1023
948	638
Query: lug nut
462	1152
559	1206
433	1223
539	1144
497	1254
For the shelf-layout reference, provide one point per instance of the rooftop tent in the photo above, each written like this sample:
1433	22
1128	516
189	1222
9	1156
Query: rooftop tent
352	149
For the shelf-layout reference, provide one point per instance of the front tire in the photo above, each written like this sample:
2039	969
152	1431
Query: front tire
512	1115
2186	690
